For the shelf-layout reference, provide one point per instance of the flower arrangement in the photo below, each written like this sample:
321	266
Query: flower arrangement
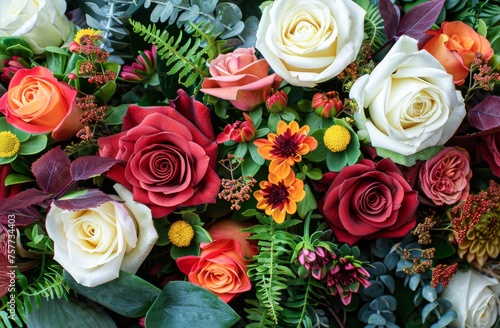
286	163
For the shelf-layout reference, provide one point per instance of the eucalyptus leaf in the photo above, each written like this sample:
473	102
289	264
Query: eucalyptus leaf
127	295
228	13
429	293
183	304
71	313
206	6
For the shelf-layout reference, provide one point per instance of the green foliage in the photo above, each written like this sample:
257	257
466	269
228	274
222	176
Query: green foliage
374	25
49	284
185	58
270	272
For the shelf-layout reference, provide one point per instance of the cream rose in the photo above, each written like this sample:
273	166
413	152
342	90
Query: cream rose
41	23
475	298
94	245
310	41
411	101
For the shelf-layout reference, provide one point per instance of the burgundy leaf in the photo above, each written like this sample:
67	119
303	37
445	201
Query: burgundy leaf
485	115
23	217
82	200
390	14
6	272
420	19
86	167
21	206
52	171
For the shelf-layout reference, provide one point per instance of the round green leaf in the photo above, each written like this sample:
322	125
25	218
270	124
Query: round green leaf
7	160
183	304
21	135
33	145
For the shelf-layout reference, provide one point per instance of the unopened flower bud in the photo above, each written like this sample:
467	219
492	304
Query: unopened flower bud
327	104
239	131
276	101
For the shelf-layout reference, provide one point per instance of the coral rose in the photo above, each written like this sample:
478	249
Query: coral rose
220	268
168	155
37	102
240	78
368	200
445	177
455	45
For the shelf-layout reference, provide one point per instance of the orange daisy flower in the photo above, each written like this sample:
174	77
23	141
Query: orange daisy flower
280	196
286	147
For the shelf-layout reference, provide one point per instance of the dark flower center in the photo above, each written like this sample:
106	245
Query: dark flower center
278	194
285	145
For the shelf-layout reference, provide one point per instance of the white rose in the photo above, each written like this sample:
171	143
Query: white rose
474	299
41	23
94	245
310	41
411	101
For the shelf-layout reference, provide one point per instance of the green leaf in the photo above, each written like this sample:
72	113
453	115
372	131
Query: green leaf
307	204
127	295
115	114
21	135
443	248
59	313
482	29
33	145
320	153
410	160
16	178
183	304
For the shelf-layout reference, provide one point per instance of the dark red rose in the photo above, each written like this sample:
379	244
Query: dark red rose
169	155
368	200
489	151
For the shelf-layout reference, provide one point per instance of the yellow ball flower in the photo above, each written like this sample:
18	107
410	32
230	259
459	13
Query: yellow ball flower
9	144
337	138
181	233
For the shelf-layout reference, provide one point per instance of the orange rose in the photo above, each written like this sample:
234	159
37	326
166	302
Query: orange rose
37	102
220	268
230	228
455	45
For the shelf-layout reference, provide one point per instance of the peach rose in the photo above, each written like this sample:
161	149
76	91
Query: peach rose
232	229
37	102
220	268
455	45
240	78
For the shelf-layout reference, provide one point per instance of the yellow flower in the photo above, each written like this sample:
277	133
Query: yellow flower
9	144
181	233
279	196
85	31
337	138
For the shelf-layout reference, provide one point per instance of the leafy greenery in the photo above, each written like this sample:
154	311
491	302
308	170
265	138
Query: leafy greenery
374	24
270	272
187	62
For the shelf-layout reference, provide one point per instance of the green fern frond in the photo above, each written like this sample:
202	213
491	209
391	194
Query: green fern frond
374	25
270	272
50	284
303	295
186	61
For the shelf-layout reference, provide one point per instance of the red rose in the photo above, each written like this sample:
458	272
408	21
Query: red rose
169	155
220	268
444	178
369	200
489	151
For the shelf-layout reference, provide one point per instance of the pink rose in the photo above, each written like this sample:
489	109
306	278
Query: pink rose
489	151
230	228
240	78
444	178
168	155
37	102
368	200
220	268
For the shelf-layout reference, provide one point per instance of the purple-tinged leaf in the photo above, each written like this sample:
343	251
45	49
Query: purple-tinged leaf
420	19
21	206
486	114
86	167
22	217
52	171
390	14
82	200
